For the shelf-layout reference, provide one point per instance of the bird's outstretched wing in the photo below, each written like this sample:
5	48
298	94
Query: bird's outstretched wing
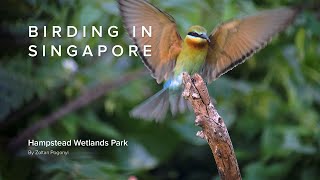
165	41
234	41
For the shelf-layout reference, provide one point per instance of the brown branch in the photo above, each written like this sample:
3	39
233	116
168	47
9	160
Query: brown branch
213	127
79	102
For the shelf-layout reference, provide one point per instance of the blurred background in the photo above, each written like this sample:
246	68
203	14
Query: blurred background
271	103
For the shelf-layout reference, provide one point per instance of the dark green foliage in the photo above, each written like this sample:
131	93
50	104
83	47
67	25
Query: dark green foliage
271	103
15	90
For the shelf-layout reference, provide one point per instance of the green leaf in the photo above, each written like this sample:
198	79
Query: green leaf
16	89
259	170
71	124
300	42
92	124
293	143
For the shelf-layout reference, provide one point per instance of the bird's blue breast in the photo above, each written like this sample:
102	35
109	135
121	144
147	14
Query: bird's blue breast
173	83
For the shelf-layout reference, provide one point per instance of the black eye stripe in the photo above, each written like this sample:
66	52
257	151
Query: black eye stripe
194	34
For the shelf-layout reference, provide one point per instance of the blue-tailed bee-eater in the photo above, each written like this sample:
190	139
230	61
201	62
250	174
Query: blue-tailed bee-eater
211	55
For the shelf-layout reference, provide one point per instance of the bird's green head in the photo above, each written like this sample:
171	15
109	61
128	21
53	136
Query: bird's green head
197	34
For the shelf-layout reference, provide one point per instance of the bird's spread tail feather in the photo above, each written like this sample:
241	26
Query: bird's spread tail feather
156	107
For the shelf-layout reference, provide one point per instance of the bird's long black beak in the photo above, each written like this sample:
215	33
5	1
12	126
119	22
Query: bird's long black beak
204	36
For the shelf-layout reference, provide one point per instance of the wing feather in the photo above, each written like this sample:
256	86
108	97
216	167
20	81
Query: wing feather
165	40
235	41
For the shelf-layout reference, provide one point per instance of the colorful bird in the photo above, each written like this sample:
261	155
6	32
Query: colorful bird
211	55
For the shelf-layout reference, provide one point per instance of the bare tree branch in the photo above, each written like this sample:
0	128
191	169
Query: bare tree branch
79	102
213	127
